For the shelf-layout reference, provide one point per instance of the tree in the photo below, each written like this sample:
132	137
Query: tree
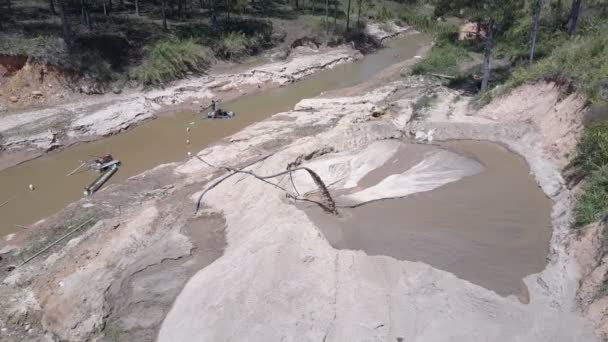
164	11
65	24
52	7
327	16
534	28
494	16
487	55
573	18
137	8
348	16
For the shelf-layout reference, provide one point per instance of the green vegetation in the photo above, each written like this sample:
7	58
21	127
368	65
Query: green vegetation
592	202
580	62
535	41
444	58
109	40
232	45
167	60
591	150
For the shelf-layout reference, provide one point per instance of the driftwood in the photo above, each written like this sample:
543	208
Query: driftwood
328	203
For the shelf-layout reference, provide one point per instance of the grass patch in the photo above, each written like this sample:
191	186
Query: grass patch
592	202
591	162
580	63
170	59
591	150
418	17
444	58
232	46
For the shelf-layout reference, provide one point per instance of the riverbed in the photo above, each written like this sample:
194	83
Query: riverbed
166	140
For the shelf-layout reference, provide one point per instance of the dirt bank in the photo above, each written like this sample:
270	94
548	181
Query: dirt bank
278	276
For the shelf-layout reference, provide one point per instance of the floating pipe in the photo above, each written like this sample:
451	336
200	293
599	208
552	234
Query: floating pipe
88	191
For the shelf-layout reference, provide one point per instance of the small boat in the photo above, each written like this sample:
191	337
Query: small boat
101	180
104	163
220	114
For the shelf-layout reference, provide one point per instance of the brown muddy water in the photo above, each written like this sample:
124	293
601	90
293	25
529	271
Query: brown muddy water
164	139
492	228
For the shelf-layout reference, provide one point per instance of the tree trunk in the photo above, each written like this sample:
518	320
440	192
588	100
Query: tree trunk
213	12
164	11
359	13
180	5
88	18
9	6
52	7
534	29
109	6
297	4
487	57
137	8
335	15
105	8
348	16
67	34
326	16
82	12
573	19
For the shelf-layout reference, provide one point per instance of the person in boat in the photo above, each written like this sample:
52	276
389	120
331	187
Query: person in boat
217	112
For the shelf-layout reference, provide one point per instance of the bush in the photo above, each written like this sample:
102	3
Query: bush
233	46
444	58
170	59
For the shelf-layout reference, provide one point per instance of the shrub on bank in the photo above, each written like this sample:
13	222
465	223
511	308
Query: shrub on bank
171	59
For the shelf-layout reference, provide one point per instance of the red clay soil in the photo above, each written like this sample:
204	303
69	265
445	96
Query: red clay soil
25	84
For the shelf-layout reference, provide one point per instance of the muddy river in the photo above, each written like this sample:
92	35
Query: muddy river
164	139
491	228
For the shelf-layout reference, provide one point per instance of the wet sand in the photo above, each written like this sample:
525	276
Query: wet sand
492	228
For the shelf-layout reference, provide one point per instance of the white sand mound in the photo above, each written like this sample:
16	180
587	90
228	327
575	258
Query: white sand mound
440	168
